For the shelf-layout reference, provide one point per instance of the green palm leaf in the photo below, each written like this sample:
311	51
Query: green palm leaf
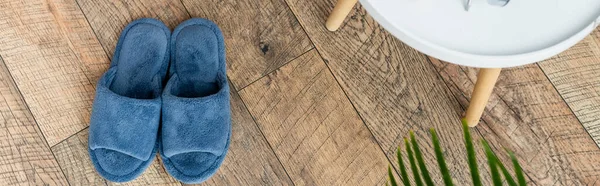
440	158
391	175
509	179
471	154
403	173
419	156
413	164
518	170
496	178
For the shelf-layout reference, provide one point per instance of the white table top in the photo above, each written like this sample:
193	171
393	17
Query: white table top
522	32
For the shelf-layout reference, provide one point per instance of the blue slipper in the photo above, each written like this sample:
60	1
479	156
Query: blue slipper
196	118
126	111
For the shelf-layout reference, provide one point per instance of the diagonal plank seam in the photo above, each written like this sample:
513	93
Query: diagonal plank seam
568	105
12	81
341	87
69	136
266	74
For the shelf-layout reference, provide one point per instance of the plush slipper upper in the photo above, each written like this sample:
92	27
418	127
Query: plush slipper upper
195	124
123	124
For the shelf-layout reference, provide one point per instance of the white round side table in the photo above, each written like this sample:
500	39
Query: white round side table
489	34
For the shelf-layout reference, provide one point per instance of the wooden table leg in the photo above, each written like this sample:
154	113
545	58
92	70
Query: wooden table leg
486	80
340	11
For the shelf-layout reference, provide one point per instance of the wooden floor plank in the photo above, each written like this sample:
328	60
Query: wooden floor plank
394	88
72	154
312	126
576	75
260	35
109	17
526	114
55	60
25	158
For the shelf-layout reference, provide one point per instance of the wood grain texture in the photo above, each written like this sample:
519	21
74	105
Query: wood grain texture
25	158
393	87
55	60
576	75
260	35
109	17
527	115
72	155
312	126
250	160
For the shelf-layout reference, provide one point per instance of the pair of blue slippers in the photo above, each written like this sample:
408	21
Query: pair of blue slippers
164	93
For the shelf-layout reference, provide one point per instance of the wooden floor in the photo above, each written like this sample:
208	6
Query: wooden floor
310	107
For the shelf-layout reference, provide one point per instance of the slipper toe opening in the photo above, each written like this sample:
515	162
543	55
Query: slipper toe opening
116	163
194	163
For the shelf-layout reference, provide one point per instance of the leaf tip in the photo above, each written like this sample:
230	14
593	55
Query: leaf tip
464	122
